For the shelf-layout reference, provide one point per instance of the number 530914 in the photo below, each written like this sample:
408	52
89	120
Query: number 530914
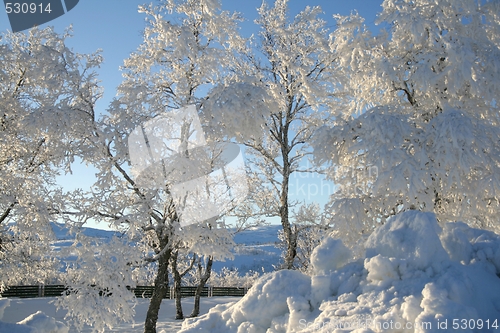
25	8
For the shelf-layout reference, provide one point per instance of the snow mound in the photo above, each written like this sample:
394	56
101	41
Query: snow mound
37	322
416	277
43	323
266	304
412	237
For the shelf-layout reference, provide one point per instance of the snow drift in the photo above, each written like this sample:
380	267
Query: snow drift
416	277
37	322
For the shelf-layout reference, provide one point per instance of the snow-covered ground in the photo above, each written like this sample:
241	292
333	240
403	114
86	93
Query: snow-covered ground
256	250
20	309
415	276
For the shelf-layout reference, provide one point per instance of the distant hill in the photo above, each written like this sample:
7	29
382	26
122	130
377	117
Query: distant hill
62	232
256	248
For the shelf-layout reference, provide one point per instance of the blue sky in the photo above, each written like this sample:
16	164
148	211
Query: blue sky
115	27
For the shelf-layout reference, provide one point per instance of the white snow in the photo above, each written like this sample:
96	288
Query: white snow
263	306
37	322
414	239
41	323
416	276
329	255
24	308
4	303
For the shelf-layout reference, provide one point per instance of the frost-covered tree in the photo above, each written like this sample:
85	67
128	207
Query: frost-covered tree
186	43
231	277
291	58
97	279
313	229
178	274
422	127
197	252
47	94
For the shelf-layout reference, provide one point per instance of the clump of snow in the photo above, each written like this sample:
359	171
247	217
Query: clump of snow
415	277
469	245
329	255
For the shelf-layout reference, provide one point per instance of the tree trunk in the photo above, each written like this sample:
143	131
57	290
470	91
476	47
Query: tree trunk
291	250
177	287
290	236
159	293
203	280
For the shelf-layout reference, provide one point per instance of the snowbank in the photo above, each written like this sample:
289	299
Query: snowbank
263	306
415	277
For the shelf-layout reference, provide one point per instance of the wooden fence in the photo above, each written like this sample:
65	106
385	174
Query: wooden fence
139	291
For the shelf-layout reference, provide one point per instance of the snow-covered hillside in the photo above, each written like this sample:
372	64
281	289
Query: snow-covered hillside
256	249
64	239
62	233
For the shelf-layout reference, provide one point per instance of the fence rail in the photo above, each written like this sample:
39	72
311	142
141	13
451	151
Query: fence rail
139	291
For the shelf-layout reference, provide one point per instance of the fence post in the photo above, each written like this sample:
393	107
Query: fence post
41	290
